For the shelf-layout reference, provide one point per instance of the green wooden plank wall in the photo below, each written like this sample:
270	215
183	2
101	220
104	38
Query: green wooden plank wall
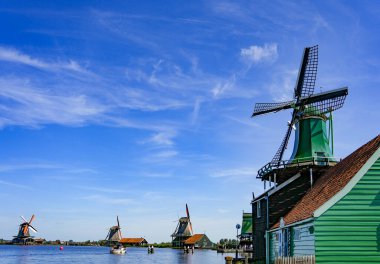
349	232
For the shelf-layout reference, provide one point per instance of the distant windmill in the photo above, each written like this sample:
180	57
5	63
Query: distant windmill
23	235
183	231
311	144
114	234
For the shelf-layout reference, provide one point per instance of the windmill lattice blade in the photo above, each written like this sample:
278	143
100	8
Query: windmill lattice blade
280	152
264	108
118	224
307	73
328	105
33	229
323	103
23	219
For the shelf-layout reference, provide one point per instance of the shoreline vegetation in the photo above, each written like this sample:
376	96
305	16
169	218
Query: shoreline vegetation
100	243
224	244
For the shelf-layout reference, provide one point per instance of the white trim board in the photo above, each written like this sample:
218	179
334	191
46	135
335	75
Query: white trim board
282	185
351	184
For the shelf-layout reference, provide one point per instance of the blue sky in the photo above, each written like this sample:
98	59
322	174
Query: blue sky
135	108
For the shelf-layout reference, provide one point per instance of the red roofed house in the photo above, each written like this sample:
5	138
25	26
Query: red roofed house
338	219
133	241
199	241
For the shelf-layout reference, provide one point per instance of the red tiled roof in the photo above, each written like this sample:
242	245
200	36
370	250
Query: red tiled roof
193	239
132	240
329	184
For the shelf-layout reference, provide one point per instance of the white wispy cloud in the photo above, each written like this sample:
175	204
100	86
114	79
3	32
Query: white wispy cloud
81	171
16	56
155	196
222	211
107	200
30	166
15	185
196	109
236	172
146	100
165	154
99	189
256	54
230	9
320	23
31	106
163	138
222	87
282	86
157	174
246	122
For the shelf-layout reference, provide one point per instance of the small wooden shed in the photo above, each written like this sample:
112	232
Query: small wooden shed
199	241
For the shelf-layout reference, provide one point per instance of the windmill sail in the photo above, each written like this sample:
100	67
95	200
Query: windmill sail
280	152
308	118
307	73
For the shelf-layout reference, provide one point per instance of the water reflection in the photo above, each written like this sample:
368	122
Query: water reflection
95	255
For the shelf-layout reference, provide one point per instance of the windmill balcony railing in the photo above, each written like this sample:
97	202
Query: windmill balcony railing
299	162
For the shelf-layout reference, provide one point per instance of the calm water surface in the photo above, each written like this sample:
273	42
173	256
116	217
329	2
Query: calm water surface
97	255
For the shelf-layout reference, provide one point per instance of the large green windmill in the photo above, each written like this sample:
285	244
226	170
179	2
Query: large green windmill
313	144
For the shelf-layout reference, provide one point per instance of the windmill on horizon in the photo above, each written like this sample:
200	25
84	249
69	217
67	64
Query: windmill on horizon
23	235
114	233
183	231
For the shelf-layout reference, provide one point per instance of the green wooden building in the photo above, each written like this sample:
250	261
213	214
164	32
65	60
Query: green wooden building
246	231
338	219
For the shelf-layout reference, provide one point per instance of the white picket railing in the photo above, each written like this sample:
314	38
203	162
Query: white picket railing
295	260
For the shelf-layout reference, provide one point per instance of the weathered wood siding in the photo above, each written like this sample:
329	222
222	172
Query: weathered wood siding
258	230
349	232
302	240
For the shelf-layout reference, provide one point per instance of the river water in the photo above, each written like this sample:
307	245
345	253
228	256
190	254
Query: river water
101	255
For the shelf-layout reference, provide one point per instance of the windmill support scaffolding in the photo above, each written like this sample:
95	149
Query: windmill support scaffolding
275	182
332	133
311	177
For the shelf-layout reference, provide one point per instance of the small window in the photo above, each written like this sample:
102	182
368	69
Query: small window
258	209
297	234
